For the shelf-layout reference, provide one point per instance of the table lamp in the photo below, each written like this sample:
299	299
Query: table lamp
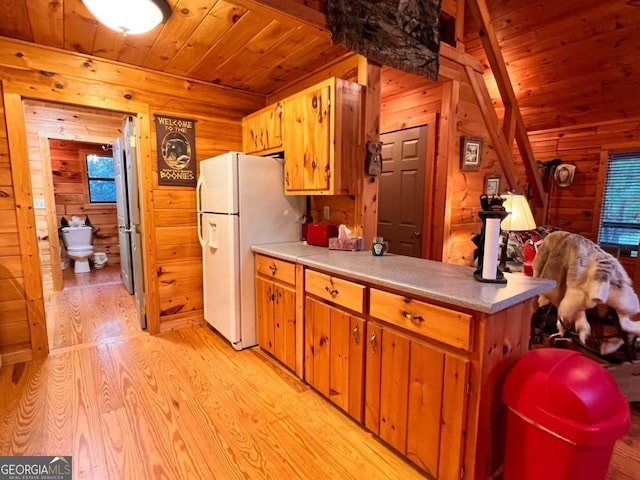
520	219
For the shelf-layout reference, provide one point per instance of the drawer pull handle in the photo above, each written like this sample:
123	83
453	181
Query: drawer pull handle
356	335
332	291
273	268
413	318
372	340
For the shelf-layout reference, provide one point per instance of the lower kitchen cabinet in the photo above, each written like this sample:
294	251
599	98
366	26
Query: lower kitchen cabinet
416	399
334	355
276	308
423	375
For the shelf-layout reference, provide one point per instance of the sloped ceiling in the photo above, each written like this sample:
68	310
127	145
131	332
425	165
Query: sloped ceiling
570	62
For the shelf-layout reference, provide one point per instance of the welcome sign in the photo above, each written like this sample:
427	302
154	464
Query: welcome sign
176	146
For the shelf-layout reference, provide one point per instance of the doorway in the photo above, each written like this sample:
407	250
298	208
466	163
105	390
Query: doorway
402	190
78	306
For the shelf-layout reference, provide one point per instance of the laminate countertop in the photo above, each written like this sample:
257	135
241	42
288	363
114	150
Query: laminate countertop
437	281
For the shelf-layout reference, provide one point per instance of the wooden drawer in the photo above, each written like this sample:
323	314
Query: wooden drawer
441	324
276	269
341	292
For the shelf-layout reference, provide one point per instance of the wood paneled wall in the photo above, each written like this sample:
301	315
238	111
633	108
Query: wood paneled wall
576	208
172	259
71	192
572	208
409	101
14	324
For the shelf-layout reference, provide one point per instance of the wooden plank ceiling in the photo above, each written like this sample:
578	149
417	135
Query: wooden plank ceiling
235	43
571	61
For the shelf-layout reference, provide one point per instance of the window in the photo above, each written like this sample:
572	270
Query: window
101	178
620	215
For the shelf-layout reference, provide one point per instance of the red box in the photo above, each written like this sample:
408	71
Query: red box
319	233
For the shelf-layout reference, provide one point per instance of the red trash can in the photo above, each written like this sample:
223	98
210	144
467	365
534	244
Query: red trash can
565	413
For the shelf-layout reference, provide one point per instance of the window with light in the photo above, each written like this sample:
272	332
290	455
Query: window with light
101	178
620	213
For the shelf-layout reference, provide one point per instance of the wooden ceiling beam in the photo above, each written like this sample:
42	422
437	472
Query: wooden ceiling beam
489	39
296	9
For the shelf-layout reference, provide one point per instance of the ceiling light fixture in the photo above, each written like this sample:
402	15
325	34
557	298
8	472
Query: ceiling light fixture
129	16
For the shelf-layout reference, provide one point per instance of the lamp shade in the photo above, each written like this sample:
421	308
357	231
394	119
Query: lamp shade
129	16
520	217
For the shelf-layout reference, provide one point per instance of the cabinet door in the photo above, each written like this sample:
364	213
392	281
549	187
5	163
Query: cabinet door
334	359
394	382
416	399
317	332
264	314
284	325
424	406
356	368
307	133
372	378
262	130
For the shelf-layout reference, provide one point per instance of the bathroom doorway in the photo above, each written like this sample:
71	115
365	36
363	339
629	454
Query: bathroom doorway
61	138
47	123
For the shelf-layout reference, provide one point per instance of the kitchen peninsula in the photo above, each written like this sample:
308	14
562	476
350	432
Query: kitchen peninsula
414	350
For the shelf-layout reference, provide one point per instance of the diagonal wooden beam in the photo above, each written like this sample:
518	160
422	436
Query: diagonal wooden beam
481	15
483	99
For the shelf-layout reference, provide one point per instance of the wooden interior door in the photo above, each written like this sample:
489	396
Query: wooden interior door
122	207
402	185
131	162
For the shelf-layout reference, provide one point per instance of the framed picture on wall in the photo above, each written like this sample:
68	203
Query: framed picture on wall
470	153
492	185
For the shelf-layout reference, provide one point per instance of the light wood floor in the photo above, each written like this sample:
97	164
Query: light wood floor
109	274
185	405
91	308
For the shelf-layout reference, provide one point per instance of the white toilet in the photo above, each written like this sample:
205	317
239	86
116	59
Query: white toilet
77	240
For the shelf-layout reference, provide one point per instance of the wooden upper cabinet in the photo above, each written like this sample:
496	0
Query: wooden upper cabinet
322	133
262	130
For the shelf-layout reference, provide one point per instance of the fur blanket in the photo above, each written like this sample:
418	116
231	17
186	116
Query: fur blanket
586	276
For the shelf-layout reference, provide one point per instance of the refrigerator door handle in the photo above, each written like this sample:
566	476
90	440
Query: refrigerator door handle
198	193
199	213
200	236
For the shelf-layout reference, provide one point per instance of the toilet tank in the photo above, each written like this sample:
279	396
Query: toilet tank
77	236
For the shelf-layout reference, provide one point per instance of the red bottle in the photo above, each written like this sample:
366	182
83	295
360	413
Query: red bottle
306	220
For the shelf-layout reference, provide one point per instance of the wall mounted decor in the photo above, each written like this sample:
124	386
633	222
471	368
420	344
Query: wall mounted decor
470	153
492	185
176	147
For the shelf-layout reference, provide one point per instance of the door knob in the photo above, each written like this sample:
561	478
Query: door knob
416	234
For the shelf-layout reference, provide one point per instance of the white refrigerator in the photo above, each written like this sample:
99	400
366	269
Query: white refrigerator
240	202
